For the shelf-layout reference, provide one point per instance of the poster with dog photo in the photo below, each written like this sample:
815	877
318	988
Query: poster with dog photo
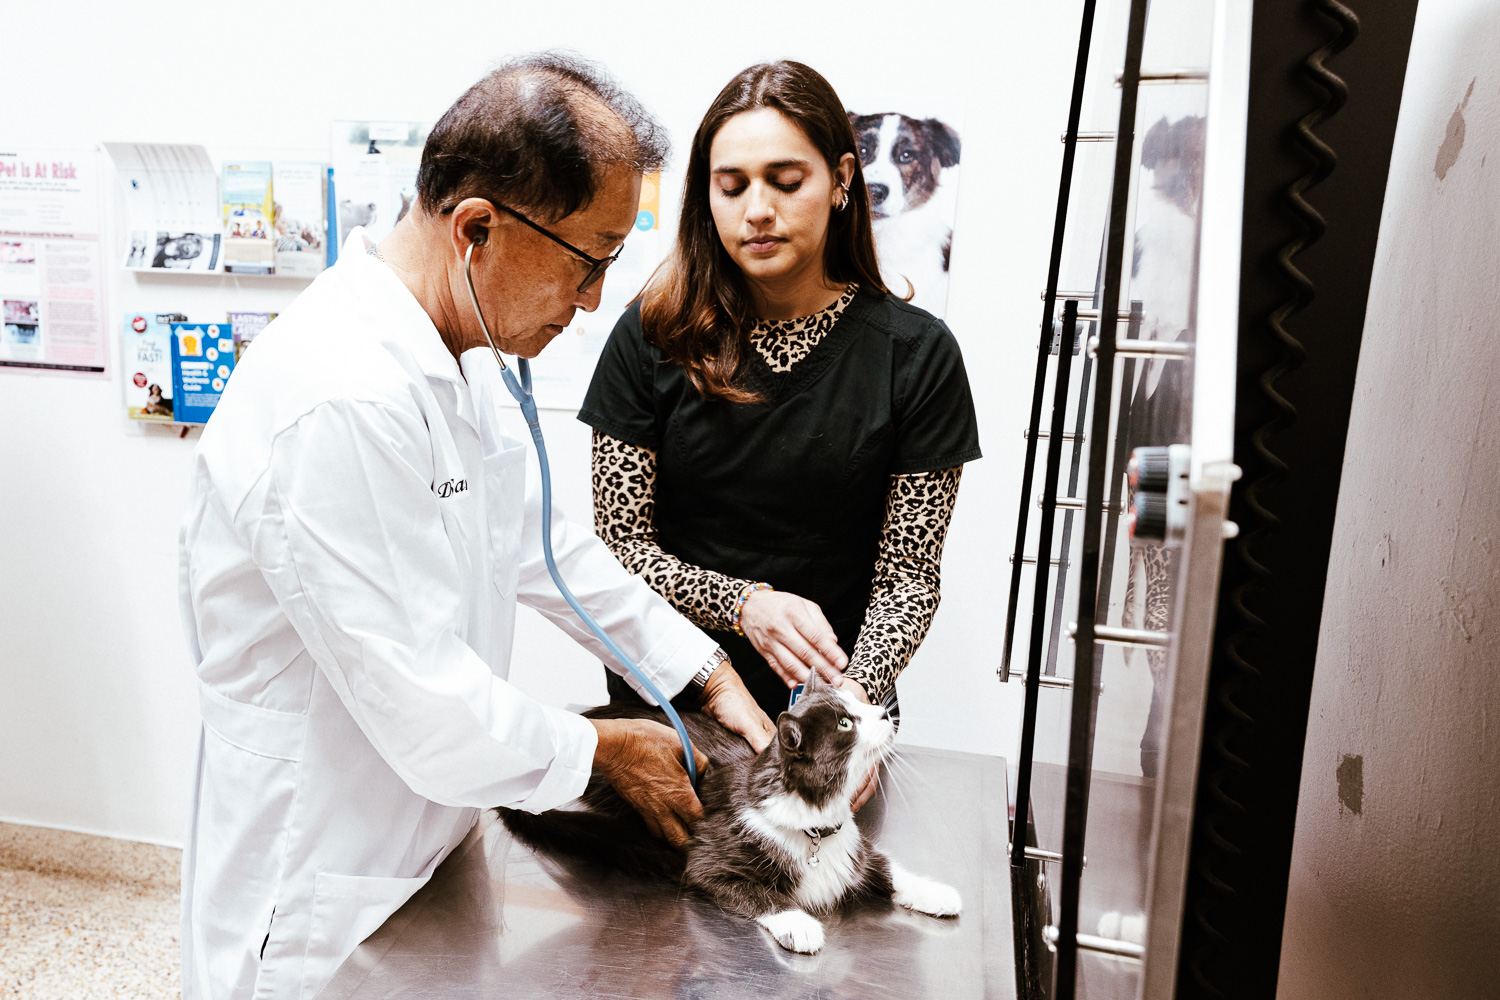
374	174
910	151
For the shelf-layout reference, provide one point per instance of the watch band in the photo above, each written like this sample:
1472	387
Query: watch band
706	671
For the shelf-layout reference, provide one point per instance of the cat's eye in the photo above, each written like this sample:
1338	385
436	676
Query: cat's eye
846	723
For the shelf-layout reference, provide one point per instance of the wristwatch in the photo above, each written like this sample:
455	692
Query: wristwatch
700	679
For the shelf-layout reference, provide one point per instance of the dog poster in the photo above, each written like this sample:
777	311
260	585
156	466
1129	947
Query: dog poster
910	152
374	174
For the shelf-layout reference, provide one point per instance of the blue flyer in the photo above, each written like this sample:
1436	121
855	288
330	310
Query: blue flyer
202	360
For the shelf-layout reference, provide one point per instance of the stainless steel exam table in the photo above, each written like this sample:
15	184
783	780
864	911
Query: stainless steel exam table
498	921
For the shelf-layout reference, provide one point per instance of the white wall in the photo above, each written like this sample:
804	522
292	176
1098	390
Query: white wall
1395	886
98	715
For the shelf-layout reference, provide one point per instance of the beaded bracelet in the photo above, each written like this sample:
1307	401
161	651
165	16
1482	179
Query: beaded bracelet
739	604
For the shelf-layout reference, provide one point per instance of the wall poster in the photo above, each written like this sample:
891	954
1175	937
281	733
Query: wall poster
910	152
51	281
374	175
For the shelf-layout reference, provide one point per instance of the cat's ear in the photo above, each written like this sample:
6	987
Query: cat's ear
789	733
811	684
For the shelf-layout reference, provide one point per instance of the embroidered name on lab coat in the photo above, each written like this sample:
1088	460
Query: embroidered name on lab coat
452	486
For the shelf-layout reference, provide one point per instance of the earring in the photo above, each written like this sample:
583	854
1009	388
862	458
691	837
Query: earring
845	203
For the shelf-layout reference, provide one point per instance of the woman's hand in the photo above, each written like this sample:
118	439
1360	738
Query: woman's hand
867	787
793	636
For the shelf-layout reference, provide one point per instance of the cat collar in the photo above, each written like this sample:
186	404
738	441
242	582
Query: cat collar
816	835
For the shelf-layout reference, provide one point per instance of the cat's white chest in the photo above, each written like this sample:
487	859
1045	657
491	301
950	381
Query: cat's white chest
828	875
826	868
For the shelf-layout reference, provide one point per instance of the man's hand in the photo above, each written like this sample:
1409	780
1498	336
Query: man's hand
867	787
793	636
725	699
643	761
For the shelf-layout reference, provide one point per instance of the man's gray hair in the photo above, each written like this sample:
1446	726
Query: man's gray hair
537	134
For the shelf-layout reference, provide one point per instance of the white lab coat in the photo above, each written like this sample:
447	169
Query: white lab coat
357	536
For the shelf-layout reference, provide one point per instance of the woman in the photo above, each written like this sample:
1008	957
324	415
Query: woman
777	438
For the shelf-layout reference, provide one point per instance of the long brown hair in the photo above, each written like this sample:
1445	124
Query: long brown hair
697	308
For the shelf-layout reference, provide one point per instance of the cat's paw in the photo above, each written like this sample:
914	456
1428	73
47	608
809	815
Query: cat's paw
917	892
794	930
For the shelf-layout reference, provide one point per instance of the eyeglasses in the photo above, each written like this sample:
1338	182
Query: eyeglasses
597	265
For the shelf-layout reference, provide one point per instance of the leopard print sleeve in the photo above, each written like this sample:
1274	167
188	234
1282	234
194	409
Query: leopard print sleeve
624	478
905	595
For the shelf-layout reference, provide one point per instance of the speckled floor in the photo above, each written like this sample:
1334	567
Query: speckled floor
84	917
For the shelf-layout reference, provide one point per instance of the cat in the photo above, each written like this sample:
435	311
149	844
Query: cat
777	842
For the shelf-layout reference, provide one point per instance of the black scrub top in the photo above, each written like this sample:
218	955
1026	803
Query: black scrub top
791	490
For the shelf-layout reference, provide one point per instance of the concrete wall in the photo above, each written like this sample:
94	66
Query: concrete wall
1394	888
98	717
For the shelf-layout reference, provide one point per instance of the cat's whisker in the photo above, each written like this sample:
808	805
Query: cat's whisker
906	802
929	805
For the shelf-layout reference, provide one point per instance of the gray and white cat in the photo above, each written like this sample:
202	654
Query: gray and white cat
777	842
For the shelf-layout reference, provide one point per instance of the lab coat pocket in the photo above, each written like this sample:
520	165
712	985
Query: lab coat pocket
505	493
347	909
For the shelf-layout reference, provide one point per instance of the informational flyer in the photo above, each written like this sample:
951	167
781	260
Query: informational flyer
172	210
249	237
246	326
562	373
374	174
51	279
301	218
146	350
202	361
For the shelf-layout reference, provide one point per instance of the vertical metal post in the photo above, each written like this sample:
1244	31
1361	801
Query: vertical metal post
1080	426
1085	663
1043	565
1120	458
1044	343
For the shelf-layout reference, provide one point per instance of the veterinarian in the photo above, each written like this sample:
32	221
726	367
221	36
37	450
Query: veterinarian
778	439
359	532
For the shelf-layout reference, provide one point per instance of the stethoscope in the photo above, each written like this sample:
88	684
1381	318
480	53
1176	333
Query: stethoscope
520	388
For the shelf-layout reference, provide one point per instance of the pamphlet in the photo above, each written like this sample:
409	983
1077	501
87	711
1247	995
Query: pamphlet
249	236
246	327
172	210
202	360
51	275
147	351
301	220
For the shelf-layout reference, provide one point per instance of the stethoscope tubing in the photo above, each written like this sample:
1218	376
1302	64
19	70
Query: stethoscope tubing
521	390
